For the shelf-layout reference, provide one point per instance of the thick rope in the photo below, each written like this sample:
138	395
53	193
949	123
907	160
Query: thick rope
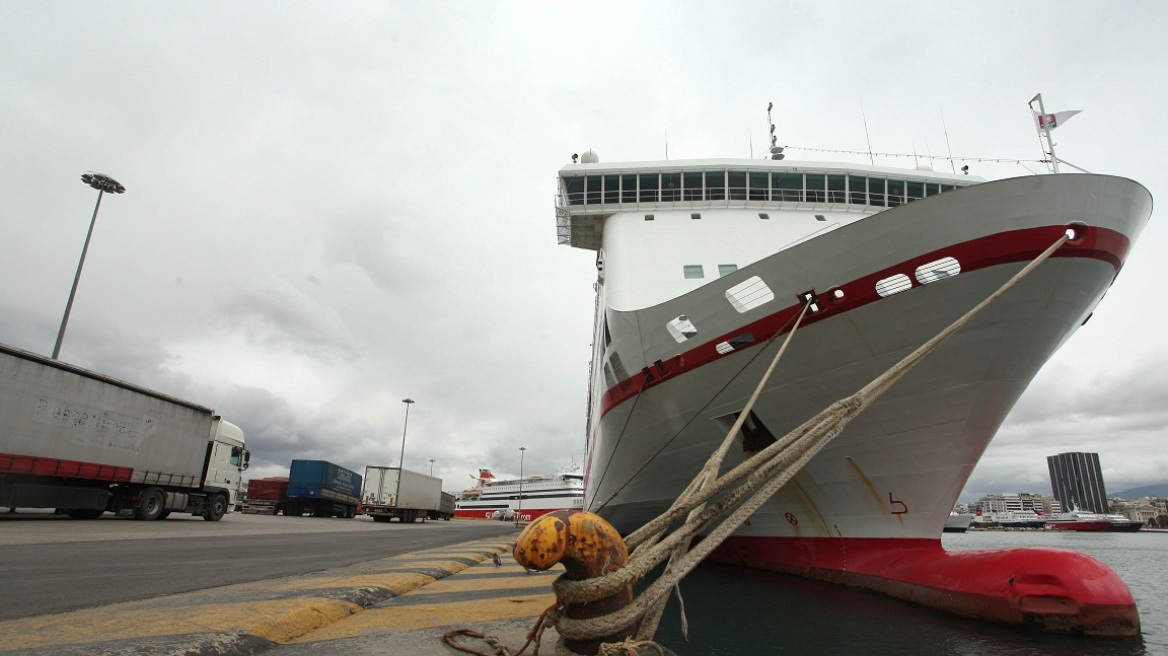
765	473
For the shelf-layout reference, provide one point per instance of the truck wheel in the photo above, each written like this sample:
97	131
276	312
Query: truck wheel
151	504
216	508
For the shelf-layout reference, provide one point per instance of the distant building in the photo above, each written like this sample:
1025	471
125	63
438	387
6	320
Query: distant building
1077	481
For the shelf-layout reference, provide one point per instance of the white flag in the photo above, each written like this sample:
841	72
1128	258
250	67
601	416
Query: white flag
1054	120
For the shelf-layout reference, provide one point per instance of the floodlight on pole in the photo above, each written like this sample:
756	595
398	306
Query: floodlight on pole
519	512
401	461
104	185
431	466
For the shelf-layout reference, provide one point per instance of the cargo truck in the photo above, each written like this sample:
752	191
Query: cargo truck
321	488
417	496
265	496
84	443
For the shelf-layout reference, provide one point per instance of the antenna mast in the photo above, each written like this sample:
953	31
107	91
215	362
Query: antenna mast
776	150
1045	125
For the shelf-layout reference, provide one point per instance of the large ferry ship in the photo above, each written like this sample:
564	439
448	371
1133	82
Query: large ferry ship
702	266
522	499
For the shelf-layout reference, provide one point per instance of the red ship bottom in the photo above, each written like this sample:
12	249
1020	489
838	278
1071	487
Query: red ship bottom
1050	589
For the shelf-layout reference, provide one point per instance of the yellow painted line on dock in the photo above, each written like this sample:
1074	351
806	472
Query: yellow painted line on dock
278	621
401	619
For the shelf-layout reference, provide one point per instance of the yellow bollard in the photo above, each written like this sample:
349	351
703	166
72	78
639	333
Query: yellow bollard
589	547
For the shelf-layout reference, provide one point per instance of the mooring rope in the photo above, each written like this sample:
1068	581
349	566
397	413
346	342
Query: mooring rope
757	479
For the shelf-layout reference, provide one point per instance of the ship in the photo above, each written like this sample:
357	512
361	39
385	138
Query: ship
1122	524
957	522
1010	520
522	499
704	265
1079	520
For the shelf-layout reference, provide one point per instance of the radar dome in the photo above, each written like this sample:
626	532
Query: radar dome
589	157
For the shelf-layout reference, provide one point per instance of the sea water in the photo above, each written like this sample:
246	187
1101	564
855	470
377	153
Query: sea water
733	611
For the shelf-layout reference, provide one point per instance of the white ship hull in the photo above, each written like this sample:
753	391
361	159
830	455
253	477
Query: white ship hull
890	480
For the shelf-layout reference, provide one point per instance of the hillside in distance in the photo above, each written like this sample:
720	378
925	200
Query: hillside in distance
1154	490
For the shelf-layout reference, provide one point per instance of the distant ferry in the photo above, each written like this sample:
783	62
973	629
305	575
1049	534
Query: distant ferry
957	523
521	499
1078	520
1009	519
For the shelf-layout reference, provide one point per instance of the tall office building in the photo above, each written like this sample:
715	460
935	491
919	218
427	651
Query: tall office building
1077	481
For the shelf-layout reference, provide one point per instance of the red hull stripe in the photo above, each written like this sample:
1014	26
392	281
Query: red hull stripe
14	464
1054	589
1003	248
528	514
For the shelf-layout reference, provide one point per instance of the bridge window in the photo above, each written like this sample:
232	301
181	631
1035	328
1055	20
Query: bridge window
895	193
693	271
726	269
787	187
837	189
876	192
611	189
816	186
737	185
858	188
649	183
693	185
595	184
670	187
759	186
574	187
715	185
629	188
916	190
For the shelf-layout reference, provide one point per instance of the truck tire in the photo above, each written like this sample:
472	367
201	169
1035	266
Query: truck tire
84	513
216	508
151	504
380	518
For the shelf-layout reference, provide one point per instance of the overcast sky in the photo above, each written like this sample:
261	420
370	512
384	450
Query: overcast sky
331	207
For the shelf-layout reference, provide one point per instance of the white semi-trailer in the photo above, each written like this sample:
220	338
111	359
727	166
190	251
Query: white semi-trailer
84	443
394	492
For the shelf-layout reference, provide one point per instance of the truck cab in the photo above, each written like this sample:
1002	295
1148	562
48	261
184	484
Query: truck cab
227	459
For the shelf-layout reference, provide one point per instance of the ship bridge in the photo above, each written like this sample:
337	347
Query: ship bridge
590	192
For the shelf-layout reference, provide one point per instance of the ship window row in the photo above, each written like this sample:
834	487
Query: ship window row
781	186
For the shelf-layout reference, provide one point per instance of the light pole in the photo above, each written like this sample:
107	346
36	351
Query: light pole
401	462
519	513
431	466
103	184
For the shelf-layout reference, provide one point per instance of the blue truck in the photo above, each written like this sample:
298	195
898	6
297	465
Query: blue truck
322	489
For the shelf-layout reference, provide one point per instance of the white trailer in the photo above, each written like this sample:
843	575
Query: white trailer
85	443
418	495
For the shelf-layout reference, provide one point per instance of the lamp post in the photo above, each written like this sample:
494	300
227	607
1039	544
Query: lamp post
103	184
431	466
519	513
401	462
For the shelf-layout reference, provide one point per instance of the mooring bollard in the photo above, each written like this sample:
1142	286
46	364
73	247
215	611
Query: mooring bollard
589	547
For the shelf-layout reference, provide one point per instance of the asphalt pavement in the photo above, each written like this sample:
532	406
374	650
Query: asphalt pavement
401	605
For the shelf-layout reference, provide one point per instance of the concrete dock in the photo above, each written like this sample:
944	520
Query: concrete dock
400	605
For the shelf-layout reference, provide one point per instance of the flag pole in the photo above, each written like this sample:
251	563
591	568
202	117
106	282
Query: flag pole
1045	125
